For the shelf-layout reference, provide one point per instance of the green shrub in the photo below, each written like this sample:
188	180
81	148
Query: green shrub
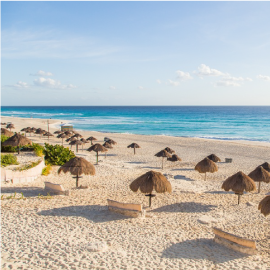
46	171
57	154
8	159
7	149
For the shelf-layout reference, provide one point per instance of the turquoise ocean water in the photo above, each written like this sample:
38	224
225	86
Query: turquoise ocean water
214	122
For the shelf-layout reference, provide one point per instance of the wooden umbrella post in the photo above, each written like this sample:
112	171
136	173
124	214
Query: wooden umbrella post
97	157
162	163
150	198
76	148
239	198
205	177
77	180
134	151
259	188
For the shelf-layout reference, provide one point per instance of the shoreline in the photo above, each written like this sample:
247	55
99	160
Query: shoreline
56	125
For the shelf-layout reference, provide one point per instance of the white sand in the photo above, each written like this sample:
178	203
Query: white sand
78	232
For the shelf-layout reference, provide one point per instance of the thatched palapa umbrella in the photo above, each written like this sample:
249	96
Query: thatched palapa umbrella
62	136
239	183
214	158
71	139
40	131
151	181
97	148
266	166
6	132
264	206
91	139
78	166
108	146
174	158
206	165
169	150
110	141
68	132
260	175
17	140
10	126
134	146
48	134
77	142
163	154
57	132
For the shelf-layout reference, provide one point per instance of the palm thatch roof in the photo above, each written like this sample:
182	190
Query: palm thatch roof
57	132
91	138
17	140
239	183
169	150
62	136
6	132
206	165
151	181
77	135
10	126
97	148
40	131
134	145
68	132
48	134
33	129
107	145
76	142
264	206
110	141
163	153
260	175
266	166
214	158
83	140
71	139
78	166
174	158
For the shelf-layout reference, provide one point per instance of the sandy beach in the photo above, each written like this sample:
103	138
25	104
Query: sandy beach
78	231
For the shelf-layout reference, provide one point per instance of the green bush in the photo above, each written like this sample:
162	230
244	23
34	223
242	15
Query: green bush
7	149
28	166
8	159
57	154
46	170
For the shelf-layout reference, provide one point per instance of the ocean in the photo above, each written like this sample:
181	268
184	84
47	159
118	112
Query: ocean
212	122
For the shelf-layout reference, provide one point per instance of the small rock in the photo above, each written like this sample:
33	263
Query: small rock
250	204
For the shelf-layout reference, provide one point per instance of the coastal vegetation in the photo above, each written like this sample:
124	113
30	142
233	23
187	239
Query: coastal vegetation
8	159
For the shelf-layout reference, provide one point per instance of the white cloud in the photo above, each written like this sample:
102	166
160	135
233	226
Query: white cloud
159	81
112	87
21	84
263	77
173	83
207	71
42	73
232	81
140	87
184	76
249	79
50	83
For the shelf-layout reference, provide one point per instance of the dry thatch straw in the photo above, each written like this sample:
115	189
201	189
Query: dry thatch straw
169	150
10	126
78	166
68	132
58	132
40	131
264	206
107	145
91	138
6	132
17	140
260	175
239	183
62	136
266	166
151	181
174	158
76	142
214	158
134	146
110	141
206	165
83	140
163	154
97	148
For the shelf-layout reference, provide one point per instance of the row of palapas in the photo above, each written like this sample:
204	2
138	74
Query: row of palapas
156	181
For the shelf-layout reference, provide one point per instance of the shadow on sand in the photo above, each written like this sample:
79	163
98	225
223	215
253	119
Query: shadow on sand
135	162
95	213
202	249
149	167
182	177
183	169
185	207
27	191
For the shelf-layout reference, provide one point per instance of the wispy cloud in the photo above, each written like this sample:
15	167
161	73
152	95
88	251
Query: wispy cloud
52	44
50	83
183	76
42	73
173	83
204	70
232	81
19	85
159	81
140	87
112	87
263	77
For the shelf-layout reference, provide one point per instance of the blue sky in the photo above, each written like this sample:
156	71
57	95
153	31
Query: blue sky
135	53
